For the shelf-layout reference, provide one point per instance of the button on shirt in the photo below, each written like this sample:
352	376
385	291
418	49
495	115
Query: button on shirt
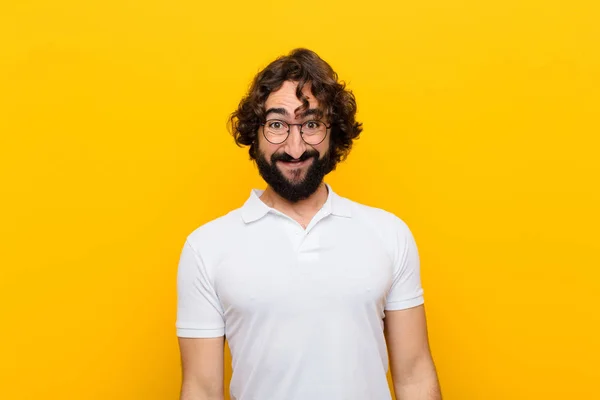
302	309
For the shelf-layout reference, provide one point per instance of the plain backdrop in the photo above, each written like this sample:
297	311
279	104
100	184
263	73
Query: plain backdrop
481	130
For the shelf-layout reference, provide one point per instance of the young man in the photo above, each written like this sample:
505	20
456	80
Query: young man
312	290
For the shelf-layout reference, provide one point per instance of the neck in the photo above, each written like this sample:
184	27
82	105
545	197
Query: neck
306	208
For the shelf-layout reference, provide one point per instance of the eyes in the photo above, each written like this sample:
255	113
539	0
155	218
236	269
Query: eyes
277	131
306	127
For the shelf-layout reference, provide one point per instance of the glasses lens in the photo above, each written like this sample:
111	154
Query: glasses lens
276	131
313	132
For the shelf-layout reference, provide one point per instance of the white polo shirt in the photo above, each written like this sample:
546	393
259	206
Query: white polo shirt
302	310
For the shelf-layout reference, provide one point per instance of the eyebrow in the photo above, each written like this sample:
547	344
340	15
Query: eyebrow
283	111
310	111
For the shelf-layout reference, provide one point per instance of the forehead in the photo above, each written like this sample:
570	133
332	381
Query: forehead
285	97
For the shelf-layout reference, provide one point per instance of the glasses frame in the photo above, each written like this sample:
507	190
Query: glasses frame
327	127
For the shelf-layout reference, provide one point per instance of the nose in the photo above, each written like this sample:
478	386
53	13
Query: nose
295	145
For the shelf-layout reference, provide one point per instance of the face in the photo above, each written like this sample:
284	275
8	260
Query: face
293	169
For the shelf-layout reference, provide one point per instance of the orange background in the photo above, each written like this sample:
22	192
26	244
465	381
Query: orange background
481	131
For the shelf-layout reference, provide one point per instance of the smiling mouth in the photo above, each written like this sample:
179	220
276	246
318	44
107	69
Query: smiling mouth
295	163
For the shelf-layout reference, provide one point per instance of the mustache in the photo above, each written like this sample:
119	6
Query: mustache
285	157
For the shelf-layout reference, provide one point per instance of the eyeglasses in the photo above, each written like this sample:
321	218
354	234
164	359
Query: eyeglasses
312	132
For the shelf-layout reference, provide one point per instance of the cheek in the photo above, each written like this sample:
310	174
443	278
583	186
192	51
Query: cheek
267	149
322	148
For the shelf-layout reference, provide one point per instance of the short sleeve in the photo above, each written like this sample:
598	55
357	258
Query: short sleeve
406	290
199	312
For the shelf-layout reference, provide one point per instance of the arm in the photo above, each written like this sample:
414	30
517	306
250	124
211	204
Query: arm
200	329
413	371
202	368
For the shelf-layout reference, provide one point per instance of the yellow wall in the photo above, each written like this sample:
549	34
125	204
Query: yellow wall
113	137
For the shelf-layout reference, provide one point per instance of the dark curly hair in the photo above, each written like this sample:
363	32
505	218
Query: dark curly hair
304	66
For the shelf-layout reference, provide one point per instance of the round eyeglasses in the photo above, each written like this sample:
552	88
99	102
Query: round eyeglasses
312	132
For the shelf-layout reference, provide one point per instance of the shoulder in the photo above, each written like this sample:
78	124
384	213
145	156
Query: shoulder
216	233
379	219
393	231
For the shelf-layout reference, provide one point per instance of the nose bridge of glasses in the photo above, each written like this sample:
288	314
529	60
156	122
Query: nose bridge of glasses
293	138
298	125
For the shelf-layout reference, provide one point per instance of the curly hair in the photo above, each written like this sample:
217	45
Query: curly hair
304	66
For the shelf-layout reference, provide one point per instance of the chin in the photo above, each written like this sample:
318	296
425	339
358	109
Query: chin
295	177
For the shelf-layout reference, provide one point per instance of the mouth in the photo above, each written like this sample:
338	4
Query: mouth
295	163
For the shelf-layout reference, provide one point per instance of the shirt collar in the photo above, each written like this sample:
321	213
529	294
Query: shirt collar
254	208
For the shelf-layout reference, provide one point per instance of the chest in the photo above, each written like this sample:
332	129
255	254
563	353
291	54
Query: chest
291	270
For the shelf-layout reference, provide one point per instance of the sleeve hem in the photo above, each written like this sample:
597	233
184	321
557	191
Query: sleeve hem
404	304
200	333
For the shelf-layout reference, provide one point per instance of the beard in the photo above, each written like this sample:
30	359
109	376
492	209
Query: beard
298	189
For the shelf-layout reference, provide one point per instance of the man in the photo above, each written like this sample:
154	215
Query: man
313	291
